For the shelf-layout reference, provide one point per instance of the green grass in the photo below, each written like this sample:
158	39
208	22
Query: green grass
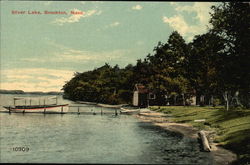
232	127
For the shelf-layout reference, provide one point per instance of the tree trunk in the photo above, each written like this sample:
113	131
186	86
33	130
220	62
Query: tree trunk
174	99
212	100
202	100
226	97
183	99
205	143
227	105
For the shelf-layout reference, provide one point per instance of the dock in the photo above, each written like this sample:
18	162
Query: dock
75	109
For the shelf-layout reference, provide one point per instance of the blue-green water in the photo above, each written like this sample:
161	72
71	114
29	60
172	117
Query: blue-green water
71	138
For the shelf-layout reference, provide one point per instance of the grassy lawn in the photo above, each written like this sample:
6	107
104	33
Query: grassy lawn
232	127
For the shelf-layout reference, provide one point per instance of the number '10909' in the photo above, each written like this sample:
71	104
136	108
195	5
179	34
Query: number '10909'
24	149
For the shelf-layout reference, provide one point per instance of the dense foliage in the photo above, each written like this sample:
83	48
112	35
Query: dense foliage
105	84
213	65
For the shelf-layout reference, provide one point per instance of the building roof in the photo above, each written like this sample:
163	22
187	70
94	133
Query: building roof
140	88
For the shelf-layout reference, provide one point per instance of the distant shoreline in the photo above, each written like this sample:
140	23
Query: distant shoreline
23	92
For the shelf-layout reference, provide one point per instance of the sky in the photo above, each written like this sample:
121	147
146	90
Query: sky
40	52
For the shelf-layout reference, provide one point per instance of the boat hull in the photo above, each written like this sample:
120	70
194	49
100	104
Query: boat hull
129	112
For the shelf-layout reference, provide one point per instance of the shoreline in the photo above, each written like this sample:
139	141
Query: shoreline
220	155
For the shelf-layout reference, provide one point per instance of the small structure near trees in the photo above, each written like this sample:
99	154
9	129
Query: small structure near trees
144	97
140	96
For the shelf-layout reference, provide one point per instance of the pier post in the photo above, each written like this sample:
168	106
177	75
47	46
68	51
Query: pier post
44	106
78	110
101	111
61	109
9	110
116	112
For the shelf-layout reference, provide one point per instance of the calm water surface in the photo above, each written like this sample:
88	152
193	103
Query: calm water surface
85	138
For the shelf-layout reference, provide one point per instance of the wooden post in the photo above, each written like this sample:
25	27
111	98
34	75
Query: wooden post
9	110
44	106
25	105
116	112
101	110
78	110
204	140
61	109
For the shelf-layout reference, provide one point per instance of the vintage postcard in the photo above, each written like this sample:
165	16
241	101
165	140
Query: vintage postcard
125	82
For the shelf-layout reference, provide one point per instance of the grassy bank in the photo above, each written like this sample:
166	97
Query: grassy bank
232	128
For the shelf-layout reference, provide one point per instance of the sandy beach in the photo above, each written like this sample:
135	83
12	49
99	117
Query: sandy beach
221	155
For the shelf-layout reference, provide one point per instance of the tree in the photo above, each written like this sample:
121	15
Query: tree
204	65
168	67
230	20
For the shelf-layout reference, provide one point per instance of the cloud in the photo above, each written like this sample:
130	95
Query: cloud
76	17
114	24
81	56
177	22
137	7
201	9
33	60
47	3
173	3
63	54
99	12
42	79
97	2
35	79
139	43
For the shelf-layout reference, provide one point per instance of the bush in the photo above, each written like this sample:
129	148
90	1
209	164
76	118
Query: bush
216	102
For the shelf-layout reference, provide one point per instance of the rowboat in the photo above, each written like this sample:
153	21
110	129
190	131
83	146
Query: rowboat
85	102
48	108
109	106
129	111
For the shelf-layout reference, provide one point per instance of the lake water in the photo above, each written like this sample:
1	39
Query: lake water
86	138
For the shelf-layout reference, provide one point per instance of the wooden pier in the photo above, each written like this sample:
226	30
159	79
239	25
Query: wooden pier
75	109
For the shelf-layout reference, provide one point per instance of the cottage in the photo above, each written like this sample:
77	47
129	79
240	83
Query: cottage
143	97
140	96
